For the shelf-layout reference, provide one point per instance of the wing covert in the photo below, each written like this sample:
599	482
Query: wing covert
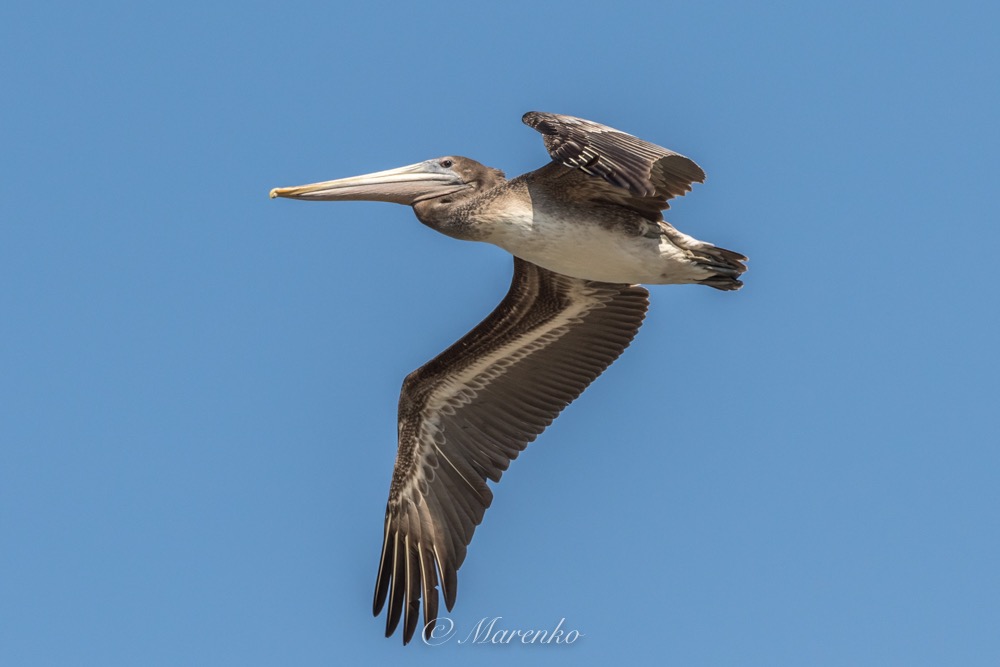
644	169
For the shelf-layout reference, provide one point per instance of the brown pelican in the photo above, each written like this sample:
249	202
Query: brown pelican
584	230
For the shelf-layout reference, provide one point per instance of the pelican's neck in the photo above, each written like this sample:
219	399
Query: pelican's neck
467	215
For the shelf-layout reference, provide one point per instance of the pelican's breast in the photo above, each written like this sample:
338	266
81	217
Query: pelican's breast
574	239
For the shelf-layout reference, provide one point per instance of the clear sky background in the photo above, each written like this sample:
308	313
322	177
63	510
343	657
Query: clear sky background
198	385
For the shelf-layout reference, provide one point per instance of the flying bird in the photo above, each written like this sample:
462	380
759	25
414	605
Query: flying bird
584	230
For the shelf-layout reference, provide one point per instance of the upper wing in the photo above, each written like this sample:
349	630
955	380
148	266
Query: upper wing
644	169
468	412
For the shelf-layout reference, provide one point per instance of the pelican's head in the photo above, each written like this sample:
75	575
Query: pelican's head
432	188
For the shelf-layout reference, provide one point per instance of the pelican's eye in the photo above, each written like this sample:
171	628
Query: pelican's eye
446	164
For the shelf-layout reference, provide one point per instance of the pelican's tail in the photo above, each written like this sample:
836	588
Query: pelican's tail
705	263
726	265
695	261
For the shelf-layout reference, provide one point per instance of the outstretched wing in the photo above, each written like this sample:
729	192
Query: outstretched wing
644	169
468	412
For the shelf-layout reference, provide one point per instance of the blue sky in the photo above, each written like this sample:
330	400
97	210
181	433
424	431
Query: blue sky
198	385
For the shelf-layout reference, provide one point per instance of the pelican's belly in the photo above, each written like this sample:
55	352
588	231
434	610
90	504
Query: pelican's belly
589	249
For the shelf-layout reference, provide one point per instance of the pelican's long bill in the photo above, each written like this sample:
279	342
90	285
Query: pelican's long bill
403	185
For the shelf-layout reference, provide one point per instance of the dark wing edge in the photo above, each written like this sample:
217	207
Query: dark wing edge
467	413
625	161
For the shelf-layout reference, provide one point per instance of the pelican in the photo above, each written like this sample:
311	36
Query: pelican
585	230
